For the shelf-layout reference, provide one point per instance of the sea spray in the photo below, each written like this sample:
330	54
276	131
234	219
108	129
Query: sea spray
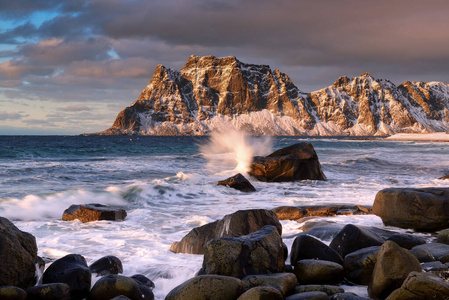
233	151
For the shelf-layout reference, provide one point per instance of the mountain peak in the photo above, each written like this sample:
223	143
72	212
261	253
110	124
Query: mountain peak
366	74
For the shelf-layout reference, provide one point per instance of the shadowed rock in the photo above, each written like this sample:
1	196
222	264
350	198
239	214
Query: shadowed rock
8	292
261	293
260	252
283	282
438	251
93	212
425	209
107	265
110	286
293	163
242	222
308	247
50	291
18	256
359	265
238	182
421	286
313	271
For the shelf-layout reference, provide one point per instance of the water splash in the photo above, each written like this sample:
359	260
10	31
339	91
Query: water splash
233	151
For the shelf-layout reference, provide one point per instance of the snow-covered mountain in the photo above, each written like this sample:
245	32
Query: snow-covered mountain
212	93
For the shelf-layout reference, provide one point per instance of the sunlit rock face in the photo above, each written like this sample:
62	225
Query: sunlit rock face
211	93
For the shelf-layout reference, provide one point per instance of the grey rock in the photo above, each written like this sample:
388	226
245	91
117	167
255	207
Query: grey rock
359	265
437	250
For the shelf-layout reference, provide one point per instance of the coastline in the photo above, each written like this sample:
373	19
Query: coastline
421	137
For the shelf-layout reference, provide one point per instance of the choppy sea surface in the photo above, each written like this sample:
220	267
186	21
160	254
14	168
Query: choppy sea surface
168	186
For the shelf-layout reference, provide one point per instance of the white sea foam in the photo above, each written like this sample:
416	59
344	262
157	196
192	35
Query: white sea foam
233	148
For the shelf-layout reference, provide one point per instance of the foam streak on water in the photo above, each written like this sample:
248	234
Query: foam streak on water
168	188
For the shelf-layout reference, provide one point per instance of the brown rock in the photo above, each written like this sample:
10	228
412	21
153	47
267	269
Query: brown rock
393	265
8	292
18	256
93	212
293	163
238	182
206	287
421	286
283	282
261	293
443	237
242	222
424	209
312	271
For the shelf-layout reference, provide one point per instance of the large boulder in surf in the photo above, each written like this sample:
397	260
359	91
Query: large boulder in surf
71	269
107	265
238	182
293	163
392	267
242	222
260	252
425	209
93	212
18	256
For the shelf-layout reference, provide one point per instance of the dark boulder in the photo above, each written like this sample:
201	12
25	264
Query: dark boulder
8	292
359	265
50	291
238	182
443	237
347	296
328	289
293	163
207	287
145	285
313	271
283	282
445	177
438	251
261	293
423	255
406	241
260	252
314	295
71	269
18	256
421	286
110	286
242	222
352	238
425	209
308	247
107	265
296	213
392	267
93	212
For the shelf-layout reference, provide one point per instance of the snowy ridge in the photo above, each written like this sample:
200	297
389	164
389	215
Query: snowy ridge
211	93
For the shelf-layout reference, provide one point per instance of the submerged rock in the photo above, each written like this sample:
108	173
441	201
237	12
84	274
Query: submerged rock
260	252
293	163
238	182
242	222
93	212
425	209
18	256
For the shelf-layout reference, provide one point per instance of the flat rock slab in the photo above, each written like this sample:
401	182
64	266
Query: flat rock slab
93	212
299	212
425	209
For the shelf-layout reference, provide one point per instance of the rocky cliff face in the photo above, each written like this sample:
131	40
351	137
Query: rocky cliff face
212	93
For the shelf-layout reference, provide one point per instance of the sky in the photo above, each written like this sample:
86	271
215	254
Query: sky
69	66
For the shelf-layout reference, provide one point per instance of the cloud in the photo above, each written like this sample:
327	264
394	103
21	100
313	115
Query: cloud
76	108
11	116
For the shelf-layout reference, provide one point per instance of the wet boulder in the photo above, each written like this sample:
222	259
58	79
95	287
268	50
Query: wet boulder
242	222
207	287
443	237
425	209
437	250
328	289
71	269
392	267
359	265
313	271
352	238
283	282
421	286
293	163
406	241
238	182
260	252
8	292
18	256
93	212
50	291
145	285
110	286
308	247
313	295
261	293
107	265
423	255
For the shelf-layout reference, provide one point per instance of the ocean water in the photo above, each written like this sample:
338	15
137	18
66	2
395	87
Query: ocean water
168	186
